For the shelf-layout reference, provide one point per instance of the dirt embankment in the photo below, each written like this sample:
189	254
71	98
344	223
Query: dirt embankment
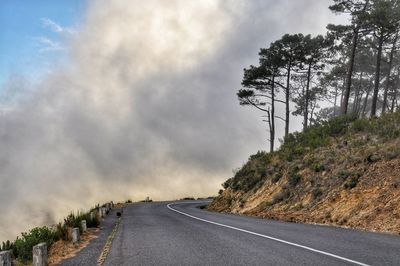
353	185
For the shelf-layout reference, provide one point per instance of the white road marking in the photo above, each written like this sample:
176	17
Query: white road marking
268	237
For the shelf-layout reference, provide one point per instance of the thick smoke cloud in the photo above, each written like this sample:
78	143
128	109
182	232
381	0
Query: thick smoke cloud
145	106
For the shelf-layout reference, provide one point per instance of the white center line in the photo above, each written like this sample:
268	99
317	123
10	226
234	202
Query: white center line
268	237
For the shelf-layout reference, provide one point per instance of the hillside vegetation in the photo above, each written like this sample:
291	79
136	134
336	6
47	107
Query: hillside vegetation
342	172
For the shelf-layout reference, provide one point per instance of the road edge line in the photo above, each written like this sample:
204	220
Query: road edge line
106	248
266	236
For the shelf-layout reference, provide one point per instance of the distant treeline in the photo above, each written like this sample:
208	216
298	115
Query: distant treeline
354	67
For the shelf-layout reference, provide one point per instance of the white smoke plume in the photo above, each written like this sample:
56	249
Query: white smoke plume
145	106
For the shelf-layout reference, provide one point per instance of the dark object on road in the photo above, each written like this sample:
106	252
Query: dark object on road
188	198
119	214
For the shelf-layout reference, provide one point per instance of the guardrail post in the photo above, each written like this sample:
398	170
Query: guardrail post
5	258
39	253
84	225
75	235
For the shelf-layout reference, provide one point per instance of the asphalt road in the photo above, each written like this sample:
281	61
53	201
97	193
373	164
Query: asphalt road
179	233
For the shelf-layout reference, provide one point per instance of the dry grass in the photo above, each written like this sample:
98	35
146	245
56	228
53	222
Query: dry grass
372	204
62	250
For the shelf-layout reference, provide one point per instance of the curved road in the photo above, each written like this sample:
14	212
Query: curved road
179	233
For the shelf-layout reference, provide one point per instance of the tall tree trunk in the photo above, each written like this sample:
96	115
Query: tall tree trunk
366	97
395	89
335	103
358	109
272	137
377	75
305	123
349	76
357	94
342	92
341	98
385	94
287	99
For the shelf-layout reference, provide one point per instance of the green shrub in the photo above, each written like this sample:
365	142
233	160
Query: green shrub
372	158
316	193
61	232
91	222
296	144
227	183
392	154
344	174
74	220
339	125
319	167
351	183
293	179
276	177
251	174
24	245
361	125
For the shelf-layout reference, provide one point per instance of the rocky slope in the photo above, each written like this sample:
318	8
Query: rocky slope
345	172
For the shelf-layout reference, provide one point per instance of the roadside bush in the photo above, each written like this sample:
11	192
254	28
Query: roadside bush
74	220
372	158
251	174
319	167
388	125
361	125
227	183
293	179
276	177
316	193
351	183
24	245
91	222
61	232
7	246
280	196
344	174
339	125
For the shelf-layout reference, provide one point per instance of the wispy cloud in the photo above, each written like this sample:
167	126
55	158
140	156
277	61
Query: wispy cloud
55	27
47	44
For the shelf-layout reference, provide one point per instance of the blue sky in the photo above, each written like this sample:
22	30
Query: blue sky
32	35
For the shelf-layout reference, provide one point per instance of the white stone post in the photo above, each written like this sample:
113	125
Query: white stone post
5	258
75	235
83	225
40	255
